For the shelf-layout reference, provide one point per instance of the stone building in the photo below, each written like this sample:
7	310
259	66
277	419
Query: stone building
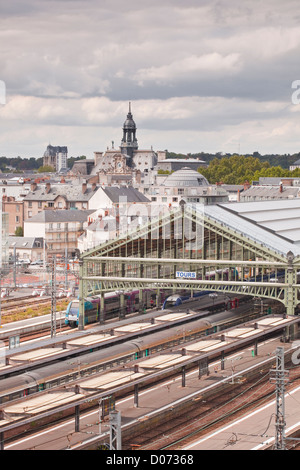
184	185
60	196
123	165
56	157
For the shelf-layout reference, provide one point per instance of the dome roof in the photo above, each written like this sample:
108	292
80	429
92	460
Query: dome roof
186	177
129	123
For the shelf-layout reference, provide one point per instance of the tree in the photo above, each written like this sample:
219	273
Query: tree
233	170
19	232
46	169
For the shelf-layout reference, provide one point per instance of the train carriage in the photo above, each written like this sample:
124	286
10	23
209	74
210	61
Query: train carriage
112	306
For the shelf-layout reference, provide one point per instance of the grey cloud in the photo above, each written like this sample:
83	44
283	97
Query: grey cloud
67	51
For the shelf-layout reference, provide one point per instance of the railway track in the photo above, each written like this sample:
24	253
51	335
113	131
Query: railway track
12	306
204	418
37	334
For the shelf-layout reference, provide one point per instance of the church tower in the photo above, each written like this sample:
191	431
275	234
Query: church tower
129	141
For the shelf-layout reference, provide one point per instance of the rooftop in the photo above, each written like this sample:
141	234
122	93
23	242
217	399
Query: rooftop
71	192
271	192
61	215
185	177
25	242
182	160
275	222
131	194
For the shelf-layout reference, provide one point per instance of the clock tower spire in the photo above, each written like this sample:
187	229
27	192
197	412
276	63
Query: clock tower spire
129	141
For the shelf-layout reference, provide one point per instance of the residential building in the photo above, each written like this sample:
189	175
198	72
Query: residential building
295	165
267	193
122	209
78	195
16	187
3	240
234	190
59	228
56	157
27	248
15	209
113	196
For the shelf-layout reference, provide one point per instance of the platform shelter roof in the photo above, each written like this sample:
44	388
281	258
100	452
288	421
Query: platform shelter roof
276	223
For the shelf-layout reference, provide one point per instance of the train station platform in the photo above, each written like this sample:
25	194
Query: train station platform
171	394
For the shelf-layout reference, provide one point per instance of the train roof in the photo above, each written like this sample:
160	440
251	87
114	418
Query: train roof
173	297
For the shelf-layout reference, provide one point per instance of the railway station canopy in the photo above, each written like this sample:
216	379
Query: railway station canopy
243	248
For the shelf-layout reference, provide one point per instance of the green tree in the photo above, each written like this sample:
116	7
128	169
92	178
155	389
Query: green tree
19	232
235	169
46	169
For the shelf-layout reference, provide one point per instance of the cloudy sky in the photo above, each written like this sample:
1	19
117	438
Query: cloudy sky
202	75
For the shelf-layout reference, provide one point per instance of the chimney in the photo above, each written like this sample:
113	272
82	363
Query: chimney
94	186
280	188
246	185
84	188
33	186
48	188
238	196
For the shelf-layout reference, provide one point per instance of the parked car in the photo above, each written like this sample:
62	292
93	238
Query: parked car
23	262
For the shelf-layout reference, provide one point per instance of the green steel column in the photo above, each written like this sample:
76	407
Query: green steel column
102	308
290	279
141	274
157	298
122	307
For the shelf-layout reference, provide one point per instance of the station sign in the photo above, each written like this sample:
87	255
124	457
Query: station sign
186	274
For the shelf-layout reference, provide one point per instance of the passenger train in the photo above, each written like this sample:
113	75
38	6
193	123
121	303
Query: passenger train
112	299
112	306
176	300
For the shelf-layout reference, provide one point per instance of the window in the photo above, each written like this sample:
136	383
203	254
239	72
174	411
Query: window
40	204
29	214
50	204
30	204
17	219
